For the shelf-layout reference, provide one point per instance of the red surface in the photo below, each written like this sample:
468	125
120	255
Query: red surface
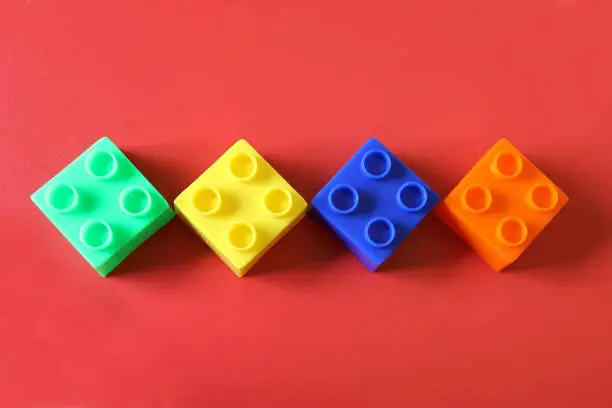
174	85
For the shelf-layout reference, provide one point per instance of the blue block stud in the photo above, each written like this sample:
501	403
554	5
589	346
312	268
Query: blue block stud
373	203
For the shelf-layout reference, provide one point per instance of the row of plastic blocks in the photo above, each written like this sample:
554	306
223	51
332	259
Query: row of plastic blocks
240	206
103	205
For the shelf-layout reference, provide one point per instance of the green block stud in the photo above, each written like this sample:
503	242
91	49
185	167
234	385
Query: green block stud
103	205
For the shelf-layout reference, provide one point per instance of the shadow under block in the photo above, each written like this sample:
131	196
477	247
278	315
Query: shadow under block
373	203
502	205
240	207
103	205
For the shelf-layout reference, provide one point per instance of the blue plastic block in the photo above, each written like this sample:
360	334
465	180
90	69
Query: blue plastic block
373	203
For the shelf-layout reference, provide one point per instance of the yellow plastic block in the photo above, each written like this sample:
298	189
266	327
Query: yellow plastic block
240	207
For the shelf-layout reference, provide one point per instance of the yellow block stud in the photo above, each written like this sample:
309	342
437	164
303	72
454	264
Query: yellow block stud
240	207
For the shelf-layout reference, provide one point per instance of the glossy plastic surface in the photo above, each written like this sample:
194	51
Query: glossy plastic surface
103	205
240	206
373	203
502	205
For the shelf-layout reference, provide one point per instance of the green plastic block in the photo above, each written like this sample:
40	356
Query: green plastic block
103	205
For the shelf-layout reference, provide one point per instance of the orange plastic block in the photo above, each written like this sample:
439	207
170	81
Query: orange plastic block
502	205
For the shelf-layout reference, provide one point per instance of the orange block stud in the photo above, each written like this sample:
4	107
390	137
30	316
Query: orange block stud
501	205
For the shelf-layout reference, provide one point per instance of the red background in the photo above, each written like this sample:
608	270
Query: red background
306	83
